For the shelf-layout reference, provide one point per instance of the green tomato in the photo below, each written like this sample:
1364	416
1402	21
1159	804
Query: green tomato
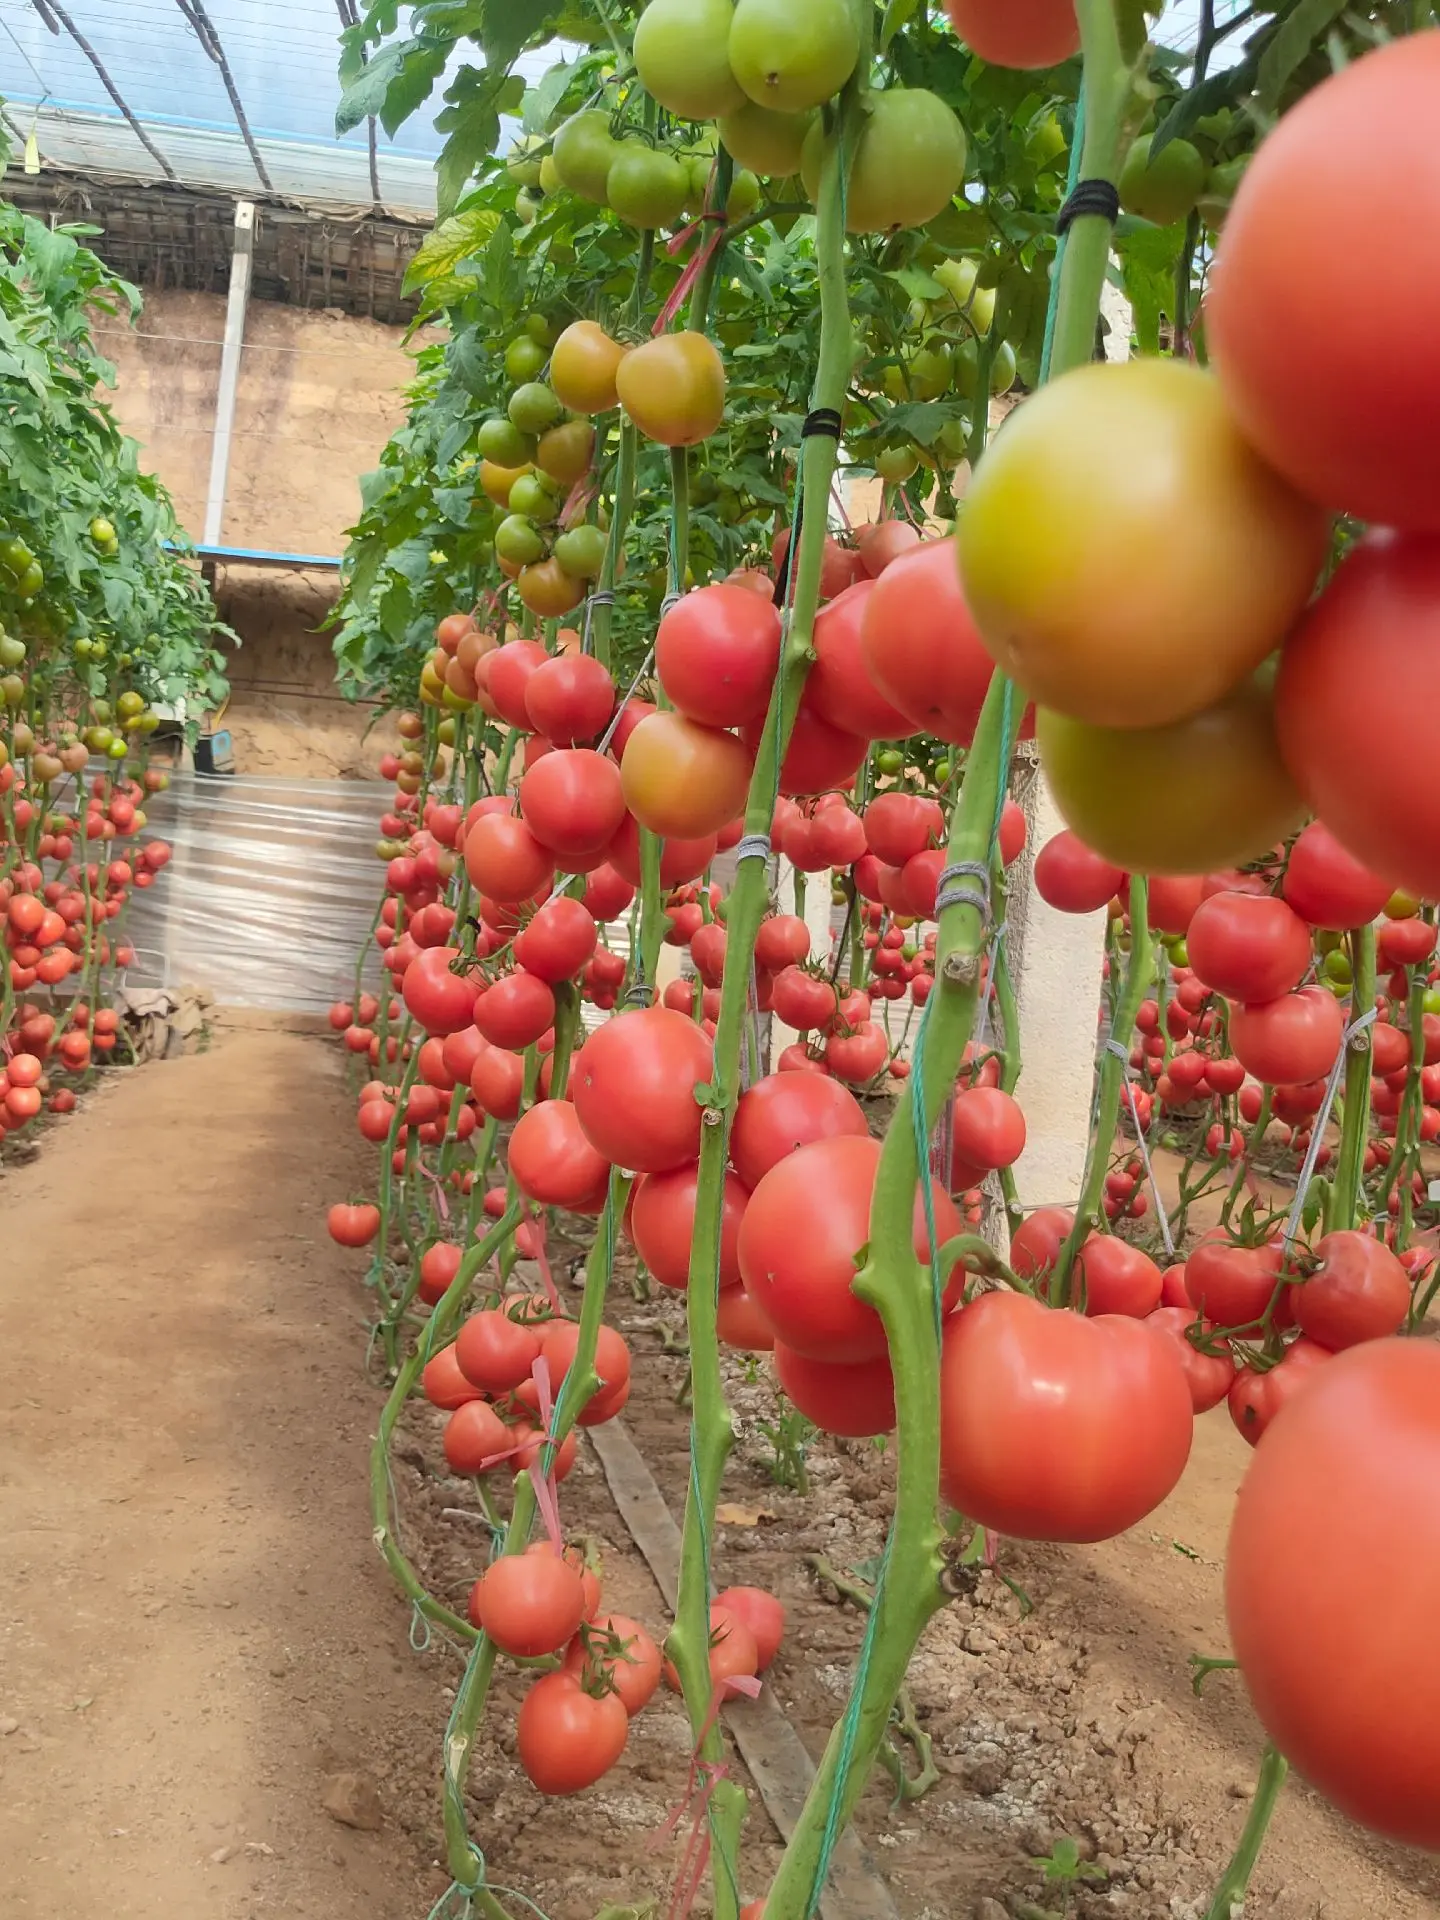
12	689
527	207
1221	185
1336	967
1167	191
744	195
12	650
1432	1000
909	162
793	55
583	154
129	704
117	750
533	408
538	326
1178	950
30	581
581	552
518	542
895	464
890	760
525	359
102	531
682	55
98	649
521	163
501	440
767	143
445	731
648	187
533	496
942	772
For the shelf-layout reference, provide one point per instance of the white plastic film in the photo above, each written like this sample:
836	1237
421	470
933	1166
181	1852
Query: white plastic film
270	894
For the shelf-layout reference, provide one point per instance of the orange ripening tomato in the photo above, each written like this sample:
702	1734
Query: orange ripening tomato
683	780
673	388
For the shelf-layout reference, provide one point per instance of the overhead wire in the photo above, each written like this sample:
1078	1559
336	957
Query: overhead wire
199	19
54	16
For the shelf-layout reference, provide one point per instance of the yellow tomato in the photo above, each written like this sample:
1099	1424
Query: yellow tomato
1203	792
673	388
583	364
1127	556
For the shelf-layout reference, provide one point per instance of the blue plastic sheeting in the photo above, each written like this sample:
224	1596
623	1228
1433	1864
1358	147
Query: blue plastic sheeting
283	57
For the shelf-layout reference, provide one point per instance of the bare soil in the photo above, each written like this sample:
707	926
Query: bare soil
196	1636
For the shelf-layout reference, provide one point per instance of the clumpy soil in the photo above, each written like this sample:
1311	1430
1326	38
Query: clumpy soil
205	1673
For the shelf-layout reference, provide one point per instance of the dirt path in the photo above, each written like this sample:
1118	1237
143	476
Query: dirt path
195	1630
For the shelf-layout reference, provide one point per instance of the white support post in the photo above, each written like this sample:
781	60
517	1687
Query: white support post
241	261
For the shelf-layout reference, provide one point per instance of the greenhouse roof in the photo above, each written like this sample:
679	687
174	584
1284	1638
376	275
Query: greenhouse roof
238	95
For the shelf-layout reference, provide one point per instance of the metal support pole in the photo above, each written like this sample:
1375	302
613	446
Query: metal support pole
241	261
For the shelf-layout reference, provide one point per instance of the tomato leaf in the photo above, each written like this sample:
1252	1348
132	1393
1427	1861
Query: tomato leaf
1296	35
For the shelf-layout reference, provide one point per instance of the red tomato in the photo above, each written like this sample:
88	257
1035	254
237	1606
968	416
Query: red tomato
350	1226
1405	943
920	644
806	1221
515	1011
662	1224
1017	33
716	655
1248	946
567	1738
497	1080
1057	1427
528	1603
1209	1376
504	859
987	1129
1358	1292
1072	879
608	894
1362	1440
1117	1278
573	802
1035	1246
552	1161
509	671
839	686
1289	1040
443	1384
475	1435
741	1324
818	755
634	1089
618	1647
854	1400
442	1001
783	940
1256	1398
1328	886
559	1340
494	1352
680	858
900	825
1232	1285
786	1111
557	942
439	1265
570	698
762	1613
1361	445
1362	765
1173	901
858	1054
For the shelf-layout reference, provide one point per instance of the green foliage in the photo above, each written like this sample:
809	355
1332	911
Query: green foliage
66	470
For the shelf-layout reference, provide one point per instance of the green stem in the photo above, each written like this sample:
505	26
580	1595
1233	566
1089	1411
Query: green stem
1346	1188
902	1292
1229	1900
711	1430
1087	244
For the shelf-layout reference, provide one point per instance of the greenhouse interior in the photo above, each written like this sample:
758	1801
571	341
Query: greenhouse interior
805	1283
